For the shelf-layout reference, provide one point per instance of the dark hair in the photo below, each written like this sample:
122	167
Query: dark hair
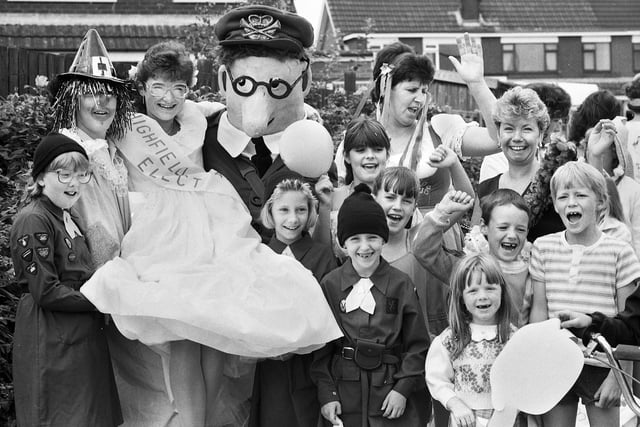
363	132
557	100
615	205
227	55
599	105
166	59
169	60
502	197
397	179
407	65
633	92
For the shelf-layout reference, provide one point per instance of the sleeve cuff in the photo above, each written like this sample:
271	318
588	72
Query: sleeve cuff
597	319
405	386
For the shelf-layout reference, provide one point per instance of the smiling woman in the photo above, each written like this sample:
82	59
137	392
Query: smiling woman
521	119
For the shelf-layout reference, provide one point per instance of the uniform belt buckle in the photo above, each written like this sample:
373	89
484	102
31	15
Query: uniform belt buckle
348	353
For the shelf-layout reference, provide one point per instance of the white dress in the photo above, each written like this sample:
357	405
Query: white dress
192	267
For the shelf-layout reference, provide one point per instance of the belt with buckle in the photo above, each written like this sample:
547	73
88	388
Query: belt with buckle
347	353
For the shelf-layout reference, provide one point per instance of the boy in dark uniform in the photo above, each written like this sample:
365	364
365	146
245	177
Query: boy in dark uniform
374	376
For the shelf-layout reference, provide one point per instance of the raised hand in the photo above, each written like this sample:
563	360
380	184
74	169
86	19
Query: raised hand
442	157
323	189
455	201
471	64
601	137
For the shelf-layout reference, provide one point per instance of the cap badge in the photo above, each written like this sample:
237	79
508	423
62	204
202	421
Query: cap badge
260	27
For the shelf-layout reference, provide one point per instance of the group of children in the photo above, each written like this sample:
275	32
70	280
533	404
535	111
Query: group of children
378	373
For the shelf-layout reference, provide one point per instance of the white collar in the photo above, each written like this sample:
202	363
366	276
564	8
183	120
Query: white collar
236	142
483	332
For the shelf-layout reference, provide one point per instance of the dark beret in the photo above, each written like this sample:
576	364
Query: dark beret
264	25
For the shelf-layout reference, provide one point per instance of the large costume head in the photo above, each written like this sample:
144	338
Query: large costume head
90	96
264	72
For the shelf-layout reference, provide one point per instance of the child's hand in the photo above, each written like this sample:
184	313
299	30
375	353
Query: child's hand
442	157
462	415
471	65
601	137
323	189
393	405
572	319
608	394
455	201
331	411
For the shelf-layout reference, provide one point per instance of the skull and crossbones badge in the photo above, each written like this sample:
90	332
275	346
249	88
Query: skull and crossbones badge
260	27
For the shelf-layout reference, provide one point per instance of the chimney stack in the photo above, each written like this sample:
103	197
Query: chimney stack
470	10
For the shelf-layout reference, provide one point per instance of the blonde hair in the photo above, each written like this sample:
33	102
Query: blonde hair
521	103
580	174
459	316
73	161
286	185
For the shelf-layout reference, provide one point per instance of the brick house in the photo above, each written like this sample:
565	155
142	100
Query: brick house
127	28
581	41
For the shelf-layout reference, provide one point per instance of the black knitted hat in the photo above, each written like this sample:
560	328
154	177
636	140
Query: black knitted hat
51	147
361	214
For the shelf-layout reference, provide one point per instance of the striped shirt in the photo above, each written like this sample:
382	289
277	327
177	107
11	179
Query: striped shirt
583	278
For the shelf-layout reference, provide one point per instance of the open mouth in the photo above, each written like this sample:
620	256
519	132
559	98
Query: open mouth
483	306
509	246
166	106
370	166
290	228
394	217
101	112
413	110
71	193
573	217
518	148
366	255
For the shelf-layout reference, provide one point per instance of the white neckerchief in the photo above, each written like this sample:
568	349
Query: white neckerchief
287	251
361	297
69	225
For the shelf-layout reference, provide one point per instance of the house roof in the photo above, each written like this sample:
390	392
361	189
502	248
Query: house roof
119	32
439	16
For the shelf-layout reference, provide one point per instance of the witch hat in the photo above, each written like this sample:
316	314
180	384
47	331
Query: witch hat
92	60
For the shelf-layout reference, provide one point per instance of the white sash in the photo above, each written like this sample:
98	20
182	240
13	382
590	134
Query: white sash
161	159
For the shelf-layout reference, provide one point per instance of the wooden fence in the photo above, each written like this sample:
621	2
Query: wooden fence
19	67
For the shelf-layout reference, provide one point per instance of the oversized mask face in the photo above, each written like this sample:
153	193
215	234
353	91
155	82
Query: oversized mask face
264	95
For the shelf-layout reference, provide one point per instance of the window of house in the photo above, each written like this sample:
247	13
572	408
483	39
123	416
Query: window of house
431	51
636	57
529	57
596	56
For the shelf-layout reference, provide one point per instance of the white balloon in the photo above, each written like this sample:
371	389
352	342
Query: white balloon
306	148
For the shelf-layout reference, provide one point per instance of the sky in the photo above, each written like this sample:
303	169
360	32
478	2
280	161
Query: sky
311	10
